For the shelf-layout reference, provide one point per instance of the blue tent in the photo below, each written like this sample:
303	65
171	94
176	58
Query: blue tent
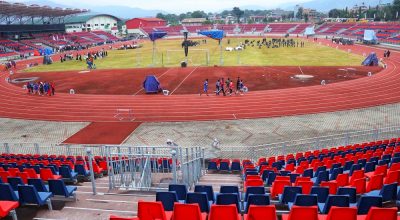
371	60
157	35
214	34
151	84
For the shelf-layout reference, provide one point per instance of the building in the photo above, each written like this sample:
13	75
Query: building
137	23
91	22
279	14
193	21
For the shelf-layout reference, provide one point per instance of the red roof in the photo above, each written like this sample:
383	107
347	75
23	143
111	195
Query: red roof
150	19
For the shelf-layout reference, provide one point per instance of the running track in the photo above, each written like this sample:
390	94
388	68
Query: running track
379	89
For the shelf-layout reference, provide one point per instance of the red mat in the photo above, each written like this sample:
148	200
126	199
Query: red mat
103	133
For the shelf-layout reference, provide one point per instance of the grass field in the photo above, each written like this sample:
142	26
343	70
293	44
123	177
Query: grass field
170	53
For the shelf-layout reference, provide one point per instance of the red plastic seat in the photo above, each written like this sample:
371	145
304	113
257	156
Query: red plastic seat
392	177
375	183
340	213
378	170
360	185
257	182
305	186
152	211
301	178
342	179
302	213
261	213
6	207
46	174
223	212
13	172
188	212
278	186
333	186
357	174
376	213
31	173
24	176
4	175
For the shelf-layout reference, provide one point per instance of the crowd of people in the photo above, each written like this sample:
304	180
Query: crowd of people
89	57
226	87
40	88
273	43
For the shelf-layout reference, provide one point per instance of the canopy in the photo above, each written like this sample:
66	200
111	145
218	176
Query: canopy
157	35
371	60
214	34
151	84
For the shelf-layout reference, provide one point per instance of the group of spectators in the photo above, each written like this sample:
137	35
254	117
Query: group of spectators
273	43
10	65
226	87
40	88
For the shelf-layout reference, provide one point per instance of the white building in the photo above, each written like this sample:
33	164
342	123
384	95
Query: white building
91	22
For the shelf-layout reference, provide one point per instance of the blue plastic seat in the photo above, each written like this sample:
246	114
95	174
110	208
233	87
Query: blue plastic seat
395	160
212	165
224	166
271	178
322	176
347	165
167	199
14	182
7	193
308	173
319	169
228	199
354	167
293	177
251	172
321	192
254	190
388	192
366	202
348	191
81	170
335	172
235	166
256	199
67	174
207	189
29	195
304	200
39	185
58	187
284	173
289	194
362	162
369	167
334	200
199	198
180	189
230	189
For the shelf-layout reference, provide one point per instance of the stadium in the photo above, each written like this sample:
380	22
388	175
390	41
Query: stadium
220	117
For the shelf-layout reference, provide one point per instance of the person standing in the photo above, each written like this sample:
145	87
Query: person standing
238	85
388	54
221	84
231	87
217	87
205	87
53	89
227	83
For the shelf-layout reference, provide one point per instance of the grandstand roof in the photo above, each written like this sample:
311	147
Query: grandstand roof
150	19
23	10
85	17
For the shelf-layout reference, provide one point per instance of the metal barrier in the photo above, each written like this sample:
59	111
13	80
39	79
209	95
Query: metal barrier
148	168
301	145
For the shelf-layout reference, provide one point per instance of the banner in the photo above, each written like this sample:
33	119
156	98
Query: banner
214	34
157	35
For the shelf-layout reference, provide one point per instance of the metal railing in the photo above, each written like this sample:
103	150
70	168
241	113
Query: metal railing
148	168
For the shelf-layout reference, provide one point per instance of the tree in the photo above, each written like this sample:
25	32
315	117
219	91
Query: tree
238	13
306	18
299	14
199	14
334	13
160	16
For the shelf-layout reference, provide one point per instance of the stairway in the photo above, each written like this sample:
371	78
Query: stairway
216	180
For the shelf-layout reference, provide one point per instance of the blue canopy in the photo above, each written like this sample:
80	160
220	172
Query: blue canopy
214	34
157	35
371	60
151	84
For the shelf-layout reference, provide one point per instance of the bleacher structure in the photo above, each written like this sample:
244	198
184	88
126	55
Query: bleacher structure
354	181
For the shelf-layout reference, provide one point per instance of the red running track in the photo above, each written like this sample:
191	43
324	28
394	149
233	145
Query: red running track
379	89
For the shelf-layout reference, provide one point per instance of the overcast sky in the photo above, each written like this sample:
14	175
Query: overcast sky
178	6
